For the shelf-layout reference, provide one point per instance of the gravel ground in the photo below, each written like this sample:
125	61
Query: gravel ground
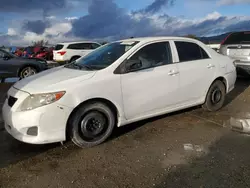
191	148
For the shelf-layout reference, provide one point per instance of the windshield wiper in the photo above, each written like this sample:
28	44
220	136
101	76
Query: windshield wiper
87	67
79	66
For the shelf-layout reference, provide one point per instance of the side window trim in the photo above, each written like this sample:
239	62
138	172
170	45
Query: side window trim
121	68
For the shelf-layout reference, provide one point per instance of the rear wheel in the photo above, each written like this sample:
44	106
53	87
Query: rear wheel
91	124
215	96
27	71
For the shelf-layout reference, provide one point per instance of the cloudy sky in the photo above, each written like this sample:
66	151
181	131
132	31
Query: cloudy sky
70	20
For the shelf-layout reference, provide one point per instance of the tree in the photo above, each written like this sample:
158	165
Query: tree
192	36
40	43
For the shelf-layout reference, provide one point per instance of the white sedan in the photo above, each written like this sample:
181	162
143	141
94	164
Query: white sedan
117	84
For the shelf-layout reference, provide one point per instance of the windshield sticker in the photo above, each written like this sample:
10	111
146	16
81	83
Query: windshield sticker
127	42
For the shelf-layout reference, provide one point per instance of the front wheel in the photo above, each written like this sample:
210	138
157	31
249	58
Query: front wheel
215	97
91	124
27	71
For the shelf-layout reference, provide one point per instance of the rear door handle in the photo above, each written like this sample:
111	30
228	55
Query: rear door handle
173	73
209	66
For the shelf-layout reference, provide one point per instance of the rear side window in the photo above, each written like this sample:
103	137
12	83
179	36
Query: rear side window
189	51
95	45
59	47
75	46
83	46
238	38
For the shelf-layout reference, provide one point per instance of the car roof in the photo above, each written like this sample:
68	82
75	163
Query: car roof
152	39
76	42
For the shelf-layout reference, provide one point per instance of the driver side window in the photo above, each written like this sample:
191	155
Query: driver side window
2	54
152	55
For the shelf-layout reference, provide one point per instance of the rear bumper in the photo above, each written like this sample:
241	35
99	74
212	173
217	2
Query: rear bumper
231	79
242	67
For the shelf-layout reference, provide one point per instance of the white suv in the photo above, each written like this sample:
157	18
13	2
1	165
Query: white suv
117	84
68	52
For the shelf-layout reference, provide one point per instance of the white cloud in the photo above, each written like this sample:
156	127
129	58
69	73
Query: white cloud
211	24
11	32
59	28
50	17
232	2
71	18
213	16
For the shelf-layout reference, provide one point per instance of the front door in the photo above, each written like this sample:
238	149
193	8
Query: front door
152	86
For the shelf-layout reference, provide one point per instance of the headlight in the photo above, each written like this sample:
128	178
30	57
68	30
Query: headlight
38	100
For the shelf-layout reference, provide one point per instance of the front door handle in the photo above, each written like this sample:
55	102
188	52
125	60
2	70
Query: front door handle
209	66
173	73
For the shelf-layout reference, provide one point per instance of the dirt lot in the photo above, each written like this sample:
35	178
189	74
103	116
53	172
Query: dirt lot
191	148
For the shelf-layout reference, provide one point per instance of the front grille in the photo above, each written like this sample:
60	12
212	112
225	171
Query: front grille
11	101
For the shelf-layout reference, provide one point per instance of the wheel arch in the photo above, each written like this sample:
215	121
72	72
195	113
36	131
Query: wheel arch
221	78
107	102
78	56
224	81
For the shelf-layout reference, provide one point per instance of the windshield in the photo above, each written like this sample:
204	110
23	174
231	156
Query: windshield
103	56
7	53
238	38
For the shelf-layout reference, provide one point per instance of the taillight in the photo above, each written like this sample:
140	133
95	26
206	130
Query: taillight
225	39
235	63
62	53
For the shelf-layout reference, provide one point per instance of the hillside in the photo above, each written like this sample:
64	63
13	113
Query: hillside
214	39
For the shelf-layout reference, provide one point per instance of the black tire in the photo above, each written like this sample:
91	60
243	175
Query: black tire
84	131
24	72
74	58
215	97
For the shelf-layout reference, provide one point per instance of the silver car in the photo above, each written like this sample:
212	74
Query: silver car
237	46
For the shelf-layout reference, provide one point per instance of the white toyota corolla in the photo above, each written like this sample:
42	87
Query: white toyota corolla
117	84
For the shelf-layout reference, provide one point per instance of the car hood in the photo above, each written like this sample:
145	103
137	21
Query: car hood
52	80
27	60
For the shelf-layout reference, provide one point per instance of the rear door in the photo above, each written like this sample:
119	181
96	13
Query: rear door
86	48
197	71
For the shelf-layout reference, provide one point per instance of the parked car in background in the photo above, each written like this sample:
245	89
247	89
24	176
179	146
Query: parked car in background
68	52
28	51
45	53
237	46
14	66
215	47
117	84
13	49
19	52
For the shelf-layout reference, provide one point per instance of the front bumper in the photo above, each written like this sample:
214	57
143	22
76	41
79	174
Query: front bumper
50	121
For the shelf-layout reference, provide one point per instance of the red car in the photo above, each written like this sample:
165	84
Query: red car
19	52
45	53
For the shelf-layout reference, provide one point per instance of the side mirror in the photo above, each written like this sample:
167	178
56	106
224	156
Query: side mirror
133	65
